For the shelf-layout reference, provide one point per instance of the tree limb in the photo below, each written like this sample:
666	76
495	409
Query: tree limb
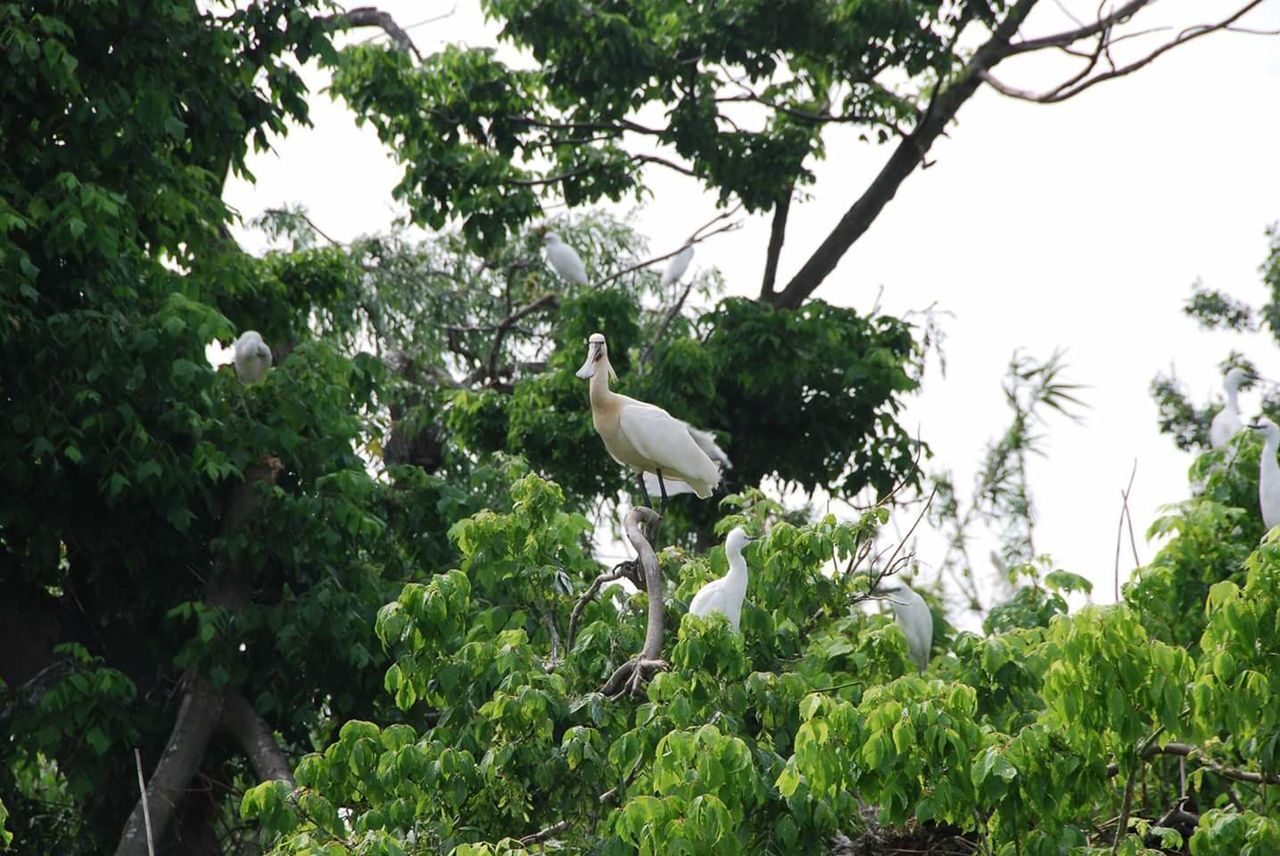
202	704
587	596
546	301
777	234
1079	83
369	16
629	675
243	722
905	158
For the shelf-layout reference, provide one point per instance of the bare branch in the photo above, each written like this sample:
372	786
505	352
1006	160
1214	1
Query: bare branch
368	16
672	311
146	809
1078	84
1070	37
616	574
544	834
628	676
777	234
246	725
696	238
546	301
906	157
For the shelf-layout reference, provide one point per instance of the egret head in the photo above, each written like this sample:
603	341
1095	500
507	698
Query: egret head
1268	428
597	353
737	540
550	238
1237	376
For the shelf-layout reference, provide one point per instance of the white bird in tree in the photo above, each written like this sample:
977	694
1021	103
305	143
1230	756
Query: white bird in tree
913	616
252	357
725	595
707	442
1226	424
643	436
565	260
1269	473
678	265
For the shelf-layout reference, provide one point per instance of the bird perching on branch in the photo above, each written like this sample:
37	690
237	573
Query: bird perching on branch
564	260
913	616
252	357
643	436
726	594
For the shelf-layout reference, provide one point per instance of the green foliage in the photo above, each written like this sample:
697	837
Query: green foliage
488	143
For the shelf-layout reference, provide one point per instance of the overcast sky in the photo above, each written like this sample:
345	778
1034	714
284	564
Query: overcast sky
1079	225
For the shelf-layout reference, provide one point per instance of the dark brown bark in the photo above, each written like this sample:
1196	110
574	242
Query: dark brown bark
246	725
777	234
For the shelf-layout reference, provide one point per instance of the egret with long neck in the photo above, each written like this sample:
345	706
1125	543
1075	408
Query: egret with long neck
913	615
1226	424
725	595
1269	473
641	435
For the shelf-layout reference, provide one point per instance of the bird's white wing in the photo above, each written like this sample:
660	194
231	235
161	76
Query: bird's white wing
674	487
677	266
661	438
704	601
1225	425
707	443
567	263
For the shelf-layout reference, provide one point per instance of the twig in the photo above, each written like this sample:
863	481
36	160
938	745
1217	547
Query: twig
546	301
544	834
1124	513
1123	826
672	311
695	238
587	596
146	806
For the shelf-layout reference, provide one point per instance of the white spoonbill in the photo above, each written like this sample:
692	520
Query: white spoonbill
707	442
643	436
1226	424
252	357
1269	473
913	616
565	260
678	265
725	594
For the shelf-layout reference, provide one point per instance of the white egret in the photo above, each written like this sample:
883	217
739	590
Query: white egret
913	616
725	594
677	266
1269	473
643	436
1226	424
564	260
252	357
707	442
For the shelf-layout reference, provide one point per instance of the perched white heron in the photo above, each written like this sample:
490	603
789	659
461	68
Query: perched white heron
726	593
1269	473
913	616
643	436
677	266
252	357
1226	424
565	260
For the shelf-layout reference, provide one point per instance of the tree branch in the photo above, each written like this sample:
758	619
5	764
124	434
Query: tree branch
201	708
696	238
777	234
616	574
905	158
243	722
1079	83
629	675
368	16
546	301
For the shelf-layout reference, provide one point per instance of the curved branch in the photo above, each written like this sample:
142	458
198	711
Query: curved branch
243	722
629	675
616	574
368	16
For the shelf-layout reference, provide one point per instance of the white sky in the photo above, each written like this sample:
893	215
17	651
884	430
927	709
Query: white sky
1080	225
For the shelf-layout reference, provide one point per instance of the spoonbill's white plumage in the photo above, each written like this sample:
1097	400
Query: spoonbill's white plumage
1226	424
677	266
252	357
707	442
565	260
725	595
643	436
1269	473
913	616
